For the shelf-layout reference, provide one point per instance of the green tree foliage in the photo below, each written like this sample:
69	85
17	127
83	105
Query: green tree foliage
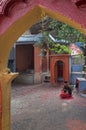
63	32
60	49
44	42
66	32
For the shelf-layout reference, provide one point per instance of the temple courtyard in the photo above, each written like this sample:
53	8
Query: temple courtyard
39	107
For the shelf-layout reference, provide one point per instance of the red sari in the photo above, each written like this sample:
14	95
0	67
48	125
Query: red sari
64	94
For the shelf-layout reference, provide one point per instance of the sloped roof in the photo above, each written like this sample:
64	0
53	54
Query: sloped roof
26	39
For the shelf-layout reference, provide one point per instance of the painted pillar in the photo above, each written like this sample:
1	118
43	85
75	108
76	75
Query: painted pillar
5	98
37	66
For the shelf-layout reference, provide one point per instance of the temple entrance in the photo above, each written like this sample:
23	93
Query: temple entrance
59	68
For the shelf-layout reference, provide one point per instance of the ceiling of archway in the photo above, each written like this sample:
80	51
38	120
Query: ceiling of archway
72	12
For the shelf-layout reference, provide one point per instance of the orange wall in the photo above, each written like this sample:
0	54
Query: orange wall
37	60
65	59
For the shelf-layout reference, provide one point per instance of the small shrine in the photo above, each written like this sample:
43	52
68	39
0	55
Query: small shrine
59	68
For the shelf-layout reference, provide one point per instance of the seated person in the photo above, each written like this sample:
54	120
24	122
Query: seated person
66	91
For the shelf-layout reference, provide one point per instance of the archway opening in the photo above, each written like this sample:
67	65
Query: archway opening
60	68
59	71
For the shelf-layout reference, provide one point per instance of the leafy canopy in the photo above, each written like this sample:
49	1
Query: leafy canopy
66	32
63	32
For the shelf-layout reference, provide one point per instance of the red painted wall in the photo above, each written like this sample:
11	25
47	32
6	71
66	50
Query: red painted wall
11	10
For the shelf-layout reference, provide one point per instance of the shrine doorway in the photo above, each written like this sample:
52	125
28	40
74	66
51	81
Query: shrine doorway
59	70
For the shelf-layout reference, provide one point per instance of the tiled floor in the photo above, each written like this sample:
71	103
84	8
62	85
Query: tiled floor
39	107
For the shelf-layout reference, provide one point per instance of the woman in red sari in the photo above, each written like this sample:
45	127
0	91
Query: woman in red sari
66	91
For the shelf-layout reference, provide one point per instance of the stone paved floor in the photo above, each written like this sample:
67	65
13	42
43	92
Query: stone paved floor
39	107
